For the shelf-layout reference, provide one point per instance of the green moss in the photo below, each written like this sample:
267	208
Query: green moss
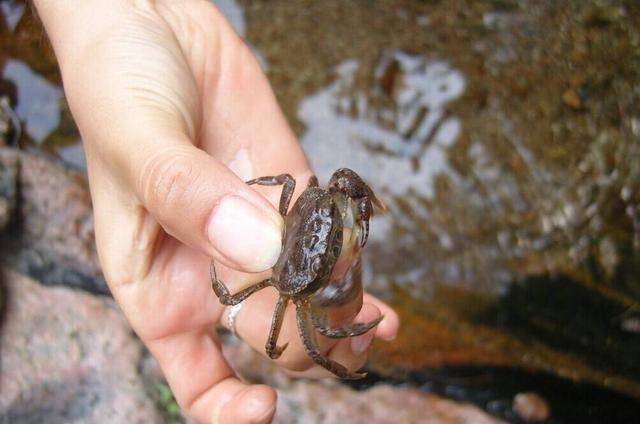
167	404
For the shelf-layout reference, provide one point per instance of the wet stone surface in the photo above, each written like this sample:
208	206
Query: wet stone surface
10	127
507	149
461	113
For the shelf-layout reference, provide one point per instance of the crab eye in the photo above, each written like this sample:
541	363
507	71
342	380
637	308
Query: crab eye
336	250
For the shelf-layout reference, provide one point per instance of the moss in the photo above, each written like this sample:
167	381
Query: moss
167	404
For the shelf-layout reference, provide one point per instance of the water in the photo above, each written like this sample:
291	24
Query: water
12	12
494	389
38	104
377	141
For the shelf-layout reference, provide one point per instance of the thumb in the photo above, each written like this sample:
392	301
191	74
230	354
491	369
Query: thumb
137	104
203	204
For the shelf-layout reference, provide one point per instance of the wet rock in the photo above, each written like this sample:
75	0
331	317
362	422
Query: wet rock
9	123
52	235
8	175
68	357
531	407
329	401
5	124
527	187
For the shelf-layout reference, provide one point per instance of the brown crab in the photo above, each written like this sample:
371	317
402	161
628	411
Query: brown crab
312	246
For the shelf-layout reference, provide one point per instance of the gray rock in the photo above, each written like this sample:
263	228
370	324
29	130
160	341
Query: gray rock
8	185
51	236
68	357
9	123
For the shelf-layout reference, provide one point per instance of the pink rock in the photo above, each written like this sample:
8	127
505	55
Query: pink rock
68	357
54	235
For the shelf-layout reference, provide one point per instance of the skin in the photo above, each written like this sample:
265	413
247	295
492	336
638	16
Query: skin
172	108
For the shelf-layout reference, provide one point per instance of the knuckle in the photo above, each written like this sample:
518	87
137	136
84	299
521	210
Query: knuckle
169	179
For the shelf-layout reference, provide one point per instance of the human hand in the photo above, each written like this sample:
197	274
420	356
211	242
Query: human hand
175	113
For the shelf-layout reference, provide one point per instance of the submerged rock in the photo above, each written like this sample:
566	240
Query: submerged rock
68	357
531	407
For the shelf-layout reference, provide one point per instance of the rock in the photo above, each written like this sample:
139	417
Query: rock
332	402
531	407
68	357
9	123
53	236
329	401
8	177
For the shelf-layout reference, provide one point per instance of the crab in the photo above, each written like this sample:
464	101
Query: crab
306	272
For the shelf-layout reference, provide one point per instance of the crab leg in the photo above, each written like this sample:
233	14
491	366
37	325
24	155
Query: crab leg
287	191
310	342
351	330
273	350
222	291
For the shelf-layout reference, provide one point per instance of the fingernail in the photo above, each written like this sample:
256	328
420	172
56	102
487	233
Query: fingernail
361	343
245	234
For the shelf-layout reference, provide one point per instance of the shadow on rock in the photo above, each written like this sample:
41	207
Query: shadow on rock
48	222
